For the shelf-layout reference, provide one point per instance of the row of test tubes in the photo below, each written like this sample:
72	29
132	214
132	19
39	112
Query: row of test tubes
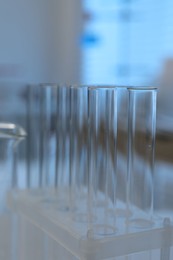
91	152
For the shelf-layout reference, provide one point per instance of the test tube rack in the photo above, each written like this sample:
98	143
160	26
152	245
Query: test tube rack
147	243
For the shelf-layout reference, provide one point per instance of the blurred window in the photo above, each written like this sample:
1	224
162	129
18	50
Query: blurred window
125	41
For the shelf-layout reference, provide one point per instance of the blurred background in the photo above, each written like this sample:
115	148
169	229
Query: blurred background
124	42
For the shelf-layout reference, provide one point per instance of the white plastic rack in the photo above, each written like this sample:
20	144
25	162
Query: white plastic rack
125	244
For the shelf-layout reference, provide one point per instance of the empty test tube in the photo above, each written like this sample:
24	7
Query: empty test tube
141	150
79	151
102	157
48	123
63	177
122	209
33	131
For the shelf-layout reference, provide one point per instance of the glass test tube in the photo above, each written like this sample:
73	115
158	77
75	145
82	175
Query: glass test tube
33	131
102	158
48	135
42	136
141	150
49	124
122	209
79	151
63	178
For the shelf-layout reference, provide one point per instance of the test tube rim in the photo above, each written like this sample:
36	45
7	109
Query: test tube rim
141	88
